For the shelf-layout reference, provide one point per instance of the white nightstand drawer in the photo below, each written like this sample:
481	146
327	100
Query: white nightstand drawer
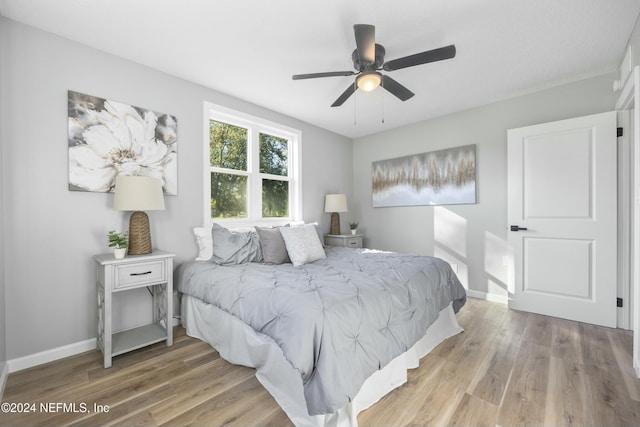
354	243
345	240
144	273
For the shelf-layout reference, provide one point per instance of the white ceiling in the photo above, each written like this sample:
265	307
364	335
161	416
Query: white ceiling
250	48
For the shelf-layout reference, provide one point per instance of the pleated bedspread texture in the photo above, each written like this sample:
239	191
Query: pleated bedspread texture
337	320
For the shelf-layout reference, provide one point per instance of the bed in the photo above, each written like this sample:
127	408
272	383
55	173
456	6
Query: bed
330	330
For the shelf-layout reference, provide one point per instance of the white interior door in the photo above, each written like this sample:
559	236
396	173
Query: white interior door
562	210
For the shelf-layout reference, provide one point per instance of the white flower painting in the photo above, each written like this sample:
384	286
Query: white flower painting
108	138
444	177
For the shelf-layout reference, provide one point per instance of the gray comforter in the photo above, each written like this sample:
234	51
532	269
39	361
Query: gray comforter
337	320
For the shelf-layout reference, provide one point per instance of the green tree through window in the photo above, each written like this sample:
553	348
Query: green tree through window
274	161
232	177
228	150
227	146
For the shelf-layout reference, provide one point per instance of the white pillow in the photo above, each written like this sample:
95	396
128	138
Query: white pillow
317	225
205	243
303	244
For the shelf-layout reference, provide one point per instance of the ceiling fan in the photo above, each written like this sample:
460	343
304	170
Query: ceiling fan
368	60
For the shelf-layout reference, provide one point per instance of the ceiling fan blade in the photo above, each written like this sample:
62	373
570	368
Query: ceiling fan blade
345	95
446	52
365	42
329	74
396	88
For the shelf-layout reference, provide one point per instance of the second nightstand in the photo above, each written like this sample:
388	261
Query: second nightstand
345	240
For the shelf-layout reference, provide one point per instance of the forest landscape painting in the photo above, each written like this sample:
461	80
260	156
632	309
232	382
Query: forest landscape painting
443	177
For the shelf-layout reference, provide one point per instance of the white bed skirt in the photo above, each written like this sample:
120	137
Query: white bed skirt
241	345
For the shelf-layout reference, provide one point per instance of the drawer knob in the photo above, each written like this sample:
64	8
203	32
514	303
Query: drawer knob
140	274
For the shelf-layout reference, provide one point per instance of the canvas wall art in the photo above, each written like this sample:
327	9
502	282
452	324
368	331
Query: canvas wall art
444	177
108	138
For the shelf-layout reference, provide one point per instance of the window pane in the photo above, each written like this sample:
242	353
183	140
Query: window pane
273	155
227	146
228	195
275	198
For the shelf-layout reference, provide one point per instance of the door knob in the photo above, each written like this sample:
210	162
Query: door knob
517	228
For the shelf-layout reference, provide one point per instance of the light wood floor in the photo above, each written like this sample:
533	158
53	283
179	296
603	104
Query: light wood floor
507	369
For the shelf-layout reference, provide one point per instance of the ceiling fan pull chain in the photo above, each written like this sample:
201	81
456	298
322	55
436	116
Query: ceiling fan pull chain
382	92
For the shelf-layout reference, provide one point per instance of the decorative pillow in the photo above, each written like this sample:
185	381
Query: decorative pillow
205	243
231	247
317	225
303	244
274	250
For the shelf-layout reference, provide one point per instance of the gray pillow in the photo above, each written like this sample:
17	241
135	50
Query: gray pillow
273	249
231	247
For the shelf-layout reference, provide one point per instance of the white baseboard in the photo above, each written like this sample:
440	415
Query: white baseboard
53	354
46	356
503	299
4	373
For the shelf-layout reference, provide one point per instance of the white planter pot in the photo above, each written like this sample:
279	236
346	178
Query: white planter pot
353	231
119	252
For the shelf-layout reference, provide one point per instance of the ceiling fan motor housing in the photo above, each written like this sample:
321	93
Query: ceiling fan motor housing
366	66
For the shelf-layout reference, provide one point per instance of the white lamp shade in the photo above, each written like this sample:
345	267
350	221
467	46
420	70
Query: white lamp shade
138	193
335	203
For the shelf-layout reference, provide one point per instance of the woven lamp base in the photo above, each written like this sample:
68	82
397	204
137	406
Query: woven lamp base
335	223
139	234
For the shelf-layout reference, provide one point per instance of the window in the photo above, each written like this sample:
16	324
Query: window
252	170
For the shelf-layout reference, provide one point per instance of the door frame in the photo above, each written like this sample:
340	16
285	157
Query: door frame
625	178
630	99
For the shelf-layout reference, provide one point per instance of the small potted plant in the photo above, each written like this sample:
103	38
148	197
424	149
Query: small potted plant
354	227
118	241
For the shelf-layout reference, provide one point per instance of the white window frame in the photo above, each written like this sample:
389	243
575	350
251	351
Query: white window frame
255	126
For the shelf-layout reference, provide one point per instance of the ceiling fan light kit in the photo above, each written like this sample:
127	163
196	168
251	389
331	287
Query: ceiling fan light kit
369	82
368	60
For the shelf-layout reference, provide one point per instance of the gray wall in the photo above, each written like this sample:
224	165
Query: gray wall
471	236
51	233
3	352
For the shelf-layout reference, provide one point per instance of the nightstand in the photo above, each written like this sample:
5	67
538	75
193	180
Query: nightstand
345	240
154	271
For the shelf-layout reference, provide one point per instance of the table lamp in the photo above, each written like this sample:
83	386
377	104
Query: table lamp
335	203
138	194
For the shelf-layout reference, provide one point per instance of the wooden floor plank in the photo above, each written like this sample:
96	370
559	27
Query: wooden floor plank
127	409
539	331
474	411
567	402
565	340
443	395
508	368
622	345
525	398
49	379
228	408
140	419
413	394
493	373
199	386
